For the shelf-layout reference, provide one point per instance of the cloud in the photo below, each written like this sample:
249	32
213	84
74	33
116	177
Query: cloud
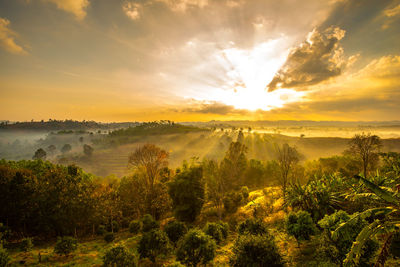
183	5
131	10
211	107
317	59
391	12
7	38
76	7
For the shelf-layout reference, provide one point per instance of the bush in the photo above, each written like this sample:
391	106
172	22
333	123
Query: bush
218	231
135	227
300	225
253	227
26	244
4	257
196	247
152	244
148	223
245	192
118	256
176	264
175	230
255	250
109	237
114	228
232	202
101	230
65	245
337	247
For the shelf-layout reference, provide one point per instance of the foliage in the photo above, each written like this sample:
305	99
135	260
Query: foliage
66	148
218	231
233	166
40	154
175	230
196	247
26	244
113	227
101	230
148	223
300	225
318	196
135	226
253	227
4	257
152	244
395	245
365	147
118	256
287	157
245	192
232	201
65	245
346	227
87	150
187	193
255	250
109	237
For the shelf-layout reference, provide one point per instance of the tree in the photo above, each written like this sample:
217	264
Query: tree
234	165
196	247
287	157
365	147
87	150
40	154
51	149
152	244
187	193
118	256
150	162
218	231
66	148
255	250
65	245
300	225
215	184
175	230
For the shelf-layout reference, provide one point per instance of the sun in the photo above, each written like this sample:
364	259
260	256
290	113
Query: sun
247	74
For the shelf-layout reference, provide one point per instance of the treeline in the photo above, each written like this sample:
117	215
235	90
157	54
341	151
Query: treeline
57	125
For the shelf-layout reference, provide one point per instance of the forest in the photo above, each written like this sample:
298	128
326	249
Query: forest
250	200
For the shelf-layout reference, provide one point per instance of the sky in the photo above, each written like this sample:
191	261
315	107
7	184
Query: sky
200	60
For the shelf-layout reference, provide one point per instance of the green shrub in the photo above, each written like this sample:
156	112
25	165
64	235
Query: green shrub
175	230
300	225
337	247
118	256
218	231
253	227
232	202
26	244
109	237
101	230
153	244
4	257
114	228
135	226
176	264
196	247
245	192
65	245
255	250
148	223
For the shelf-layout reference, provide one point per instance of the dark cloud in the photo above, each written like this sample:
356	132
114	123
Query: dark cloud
212	107
317	59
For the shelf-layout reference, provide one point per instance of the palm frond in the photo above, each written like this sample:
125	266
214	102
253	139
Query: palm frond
379	191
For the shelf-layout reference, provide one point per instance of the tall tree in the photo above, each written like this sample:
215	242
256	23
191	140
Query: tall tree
287	157
40	154
365	147
234	165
